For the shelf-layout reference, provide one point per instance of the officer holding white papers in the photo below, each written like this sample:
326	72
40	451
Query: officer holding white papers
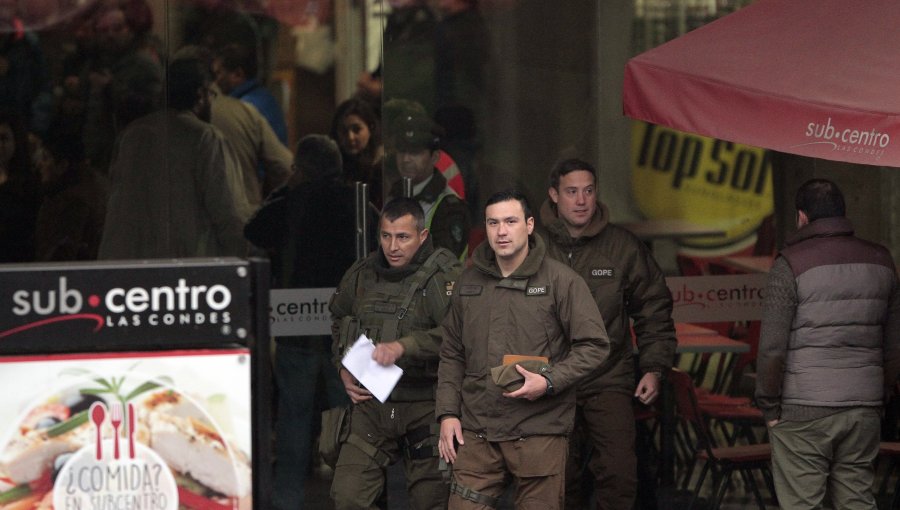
398	297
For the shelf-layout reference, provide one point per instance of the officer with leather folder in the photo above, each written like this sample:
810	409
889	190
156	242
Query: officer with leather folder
521	332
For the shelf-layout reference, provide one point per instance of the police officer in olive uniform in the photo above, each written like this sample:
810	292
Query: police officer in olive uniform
416	143
398	297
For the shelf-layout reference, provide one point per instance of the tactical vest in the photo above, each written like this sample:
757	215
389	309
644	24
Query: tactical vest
386	311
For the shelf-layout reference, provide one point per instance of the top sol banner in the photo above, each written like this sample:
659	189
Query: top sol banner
705	181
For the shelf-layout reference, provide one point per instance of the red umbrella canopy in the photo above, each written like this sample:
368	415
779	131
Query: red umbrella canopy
819	78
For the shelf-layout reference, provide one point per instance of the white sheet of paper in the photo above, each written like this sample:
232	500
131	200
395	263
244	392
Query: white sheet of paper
379	380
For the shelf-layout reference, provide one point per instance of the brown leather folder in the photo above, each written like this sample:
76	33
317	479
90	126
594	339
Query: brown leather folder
511	359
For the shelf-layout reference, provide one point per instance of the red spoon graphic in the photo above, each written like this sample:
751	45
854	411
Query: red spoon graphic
98	414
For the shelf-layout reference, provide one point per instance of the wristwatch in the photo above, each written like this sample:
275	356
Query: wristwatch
550	390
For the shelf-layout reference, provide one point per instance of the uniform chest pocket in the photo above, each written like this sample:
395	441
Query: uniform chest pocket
380	307
535	320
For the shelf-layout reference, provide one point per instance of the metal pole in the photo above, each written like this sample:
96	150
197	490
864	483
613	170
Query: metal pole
362	224
407	187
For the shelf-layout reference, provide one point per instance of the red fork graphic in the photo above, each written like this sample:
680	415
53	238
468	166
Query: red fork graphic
115	417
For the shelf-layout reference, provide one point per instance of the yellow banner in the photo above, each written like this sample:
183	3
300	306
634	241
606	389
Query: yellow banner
710	182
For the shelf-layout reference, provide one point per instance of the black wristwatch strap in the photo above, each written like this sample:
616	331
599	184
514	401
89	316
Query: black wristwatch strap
550	389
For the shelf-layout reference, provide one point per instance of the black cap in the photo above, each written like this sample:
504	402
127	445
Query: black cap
416	132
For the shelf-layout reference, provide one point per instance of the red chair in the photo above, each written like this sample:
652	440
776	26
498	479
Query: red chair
722	461
722	405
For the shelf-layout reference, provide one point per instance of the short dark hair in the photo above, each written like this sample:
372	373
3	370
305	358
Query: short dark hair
401	206
510	194
567	166
236	56
138	16
186	77
201	53
820	198
318	158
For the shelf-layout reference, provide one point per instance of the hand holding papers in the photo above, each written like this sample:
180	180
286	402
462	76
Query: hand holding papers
379	380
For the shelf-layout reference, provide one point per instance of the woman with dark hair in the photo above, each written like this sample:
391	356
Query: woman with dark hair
357	130
19	191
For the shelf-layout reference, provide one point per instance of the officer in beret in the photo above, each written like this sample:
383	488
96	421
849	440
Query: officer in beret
416	142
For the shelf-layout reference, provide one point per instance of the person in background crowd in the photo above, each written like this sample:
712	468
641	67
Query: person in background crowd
521	332
829	353
408	56
629	289
24	83
357	129
215	23
395	115
264	161
73	208
125	80
176	190
446	215
19	191
462	50
236	70
461	153
398	296
78	50
308	227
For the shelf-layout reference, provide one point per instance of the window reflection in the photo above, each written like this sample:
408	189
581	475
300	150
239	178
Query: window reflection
511	86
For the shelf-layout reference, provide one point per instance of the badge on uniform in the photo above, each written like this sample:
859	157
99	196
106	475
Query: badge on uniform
603	272
448	287
456	231
470	290
537	291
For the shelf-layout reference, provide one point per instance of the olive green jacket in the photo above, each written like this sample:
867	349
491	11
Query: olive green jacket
542	309
404	304
626	283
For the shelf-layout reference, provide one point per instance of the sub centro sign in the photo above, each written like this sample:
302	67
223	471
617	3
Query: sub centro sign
300	312
717	298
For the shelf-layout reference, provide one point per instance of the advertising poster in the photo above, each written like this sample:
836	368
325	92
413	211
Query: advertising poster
156	430
702	180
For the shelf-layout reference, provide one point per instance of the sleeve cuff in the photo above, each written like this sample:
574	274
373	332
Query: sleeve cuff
410	346
771	414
